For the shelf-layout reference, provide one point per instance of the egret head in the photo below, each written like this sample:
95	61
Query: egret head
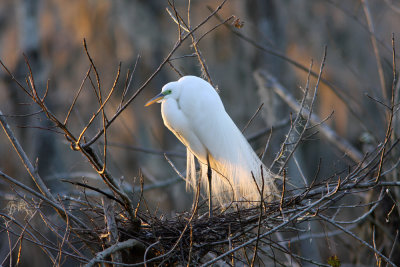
170	90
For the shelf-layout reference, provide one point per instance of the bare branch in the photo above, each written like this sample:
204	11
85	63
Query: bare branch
268	81
130	243
368	16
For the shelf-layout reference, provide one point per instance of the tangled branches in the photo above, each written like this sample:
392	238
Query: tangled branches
112	223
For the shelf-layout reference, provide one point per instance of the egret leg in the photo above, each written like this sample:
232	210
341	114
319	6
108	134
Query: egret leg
209	176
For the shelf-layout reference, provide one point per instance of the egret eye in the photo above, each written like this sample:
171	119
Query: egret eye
167	92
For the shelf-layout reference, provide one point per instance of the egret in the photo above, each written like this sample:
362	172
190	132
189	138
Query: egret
192	109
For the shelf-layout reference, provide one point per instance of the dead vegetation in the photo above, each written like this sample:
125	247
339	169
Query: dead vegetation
112	223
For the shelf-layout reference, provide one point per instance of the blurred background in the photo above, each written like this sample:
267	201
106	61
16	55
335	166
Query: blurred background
141	33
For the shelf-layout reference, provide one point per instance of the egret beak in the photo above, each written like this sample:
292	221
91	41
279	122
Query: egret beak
155	99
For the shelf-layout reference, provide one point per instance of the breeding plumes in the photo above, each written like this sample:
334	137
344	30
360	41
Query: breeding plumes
193	111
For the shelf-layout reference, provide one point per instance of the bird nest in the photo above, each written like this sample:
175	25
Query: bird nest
196	236
244	235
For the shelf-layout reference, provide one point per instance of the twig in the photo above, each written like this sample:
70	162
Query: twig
252	117
290	136
24	158
375	46
276	228
144	85
394	245
46	195
128	85
347	99
341	143
389	114
148	150
130	243
112	228
77	95
179	20
94	189
308	116
357	238
147	250
260	217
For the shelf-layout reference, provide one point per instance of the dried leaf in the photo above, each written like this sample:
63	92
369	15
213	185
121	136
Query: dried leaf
238	23
334	261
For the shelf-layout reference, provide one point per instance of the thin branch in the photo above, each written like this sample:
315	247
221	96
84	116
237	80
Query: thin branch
42	197
144	85
252	117
46	195
341	143
357	238
130	243
347	99
368	16
77	95
276	228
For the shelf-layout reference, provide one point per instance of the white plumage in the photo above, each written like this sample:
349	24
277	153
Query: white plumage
193	111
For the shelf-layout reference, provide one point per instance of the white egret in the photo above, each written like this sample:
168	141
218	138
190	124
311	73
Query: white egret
193	111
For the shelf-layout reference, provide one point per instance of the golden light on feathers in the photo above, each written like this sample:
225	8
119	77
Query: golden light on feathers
194	112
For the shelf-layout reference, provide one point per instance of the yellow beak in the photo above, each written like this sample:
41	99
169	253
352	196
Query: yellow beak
155	99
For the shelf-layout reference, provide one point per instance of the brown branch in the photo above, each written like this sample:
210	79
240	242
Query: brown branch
357	238
252	117
112	228
144	85
338	91
276	228
130	243
45	193
368	17
268	81
77	95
